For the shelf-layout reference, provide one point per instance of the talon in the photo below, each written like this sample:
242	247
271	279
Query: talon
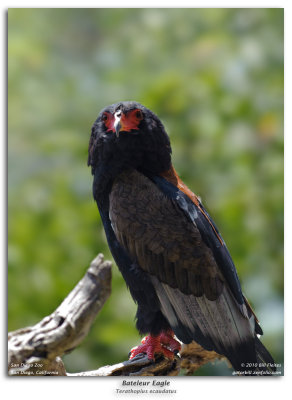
167	339
164	344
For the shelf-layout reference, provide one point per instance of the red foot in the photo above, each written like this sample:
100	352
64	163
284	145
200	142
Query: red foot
167	339
162	344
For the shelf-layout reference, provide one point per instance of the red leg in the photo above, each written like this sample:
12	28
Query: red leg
162	344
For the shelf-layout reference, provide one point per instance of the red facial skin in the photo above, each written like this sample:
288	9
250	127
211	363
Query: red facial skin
129	121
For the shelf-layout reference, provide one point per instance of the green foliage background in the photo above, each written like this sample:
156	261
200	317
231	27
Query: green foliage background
214	77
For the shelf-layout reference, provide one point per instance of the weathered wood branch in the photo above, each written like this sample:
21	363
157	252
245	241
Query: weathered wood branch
139	366
64	329
37	350
192	357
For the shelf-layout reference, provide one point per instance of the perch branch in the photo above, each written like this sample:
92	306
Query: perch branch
192	357
37	348
139	366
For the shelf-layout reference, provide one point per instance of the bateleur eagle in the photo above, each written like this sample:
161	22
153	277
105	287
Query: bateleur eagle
169	251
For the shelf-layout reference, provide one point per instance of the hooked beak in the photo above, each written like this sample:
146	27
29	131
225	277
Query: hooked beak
117	123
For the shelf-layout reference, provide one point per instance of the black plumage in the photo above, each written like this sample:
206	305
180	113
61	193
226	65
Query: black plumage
167	247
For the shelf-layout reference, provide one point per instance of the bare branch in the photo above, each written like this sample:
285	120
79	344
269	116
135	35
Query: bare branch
139	366
193	356
65	328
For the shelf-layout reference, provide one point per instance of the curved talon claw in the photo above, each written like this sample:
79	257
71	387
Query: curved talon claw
136	357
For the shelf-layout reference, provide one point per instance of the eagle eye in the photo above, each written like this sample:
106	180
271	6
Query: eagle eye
139	115
104	117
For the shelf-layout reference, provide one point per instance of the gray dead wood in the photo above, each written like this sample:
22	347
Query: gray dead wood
192	357
37	350
139	366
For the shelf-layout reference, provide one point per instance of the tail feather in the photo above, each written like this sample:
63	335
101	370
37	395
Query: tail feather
220	325
252	359
264	358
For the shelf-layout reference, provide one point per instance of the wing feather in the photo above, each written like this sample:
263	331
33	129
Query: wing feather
197	296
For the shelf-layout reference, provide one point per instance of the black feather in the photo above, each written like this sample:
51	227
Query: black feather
167	247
